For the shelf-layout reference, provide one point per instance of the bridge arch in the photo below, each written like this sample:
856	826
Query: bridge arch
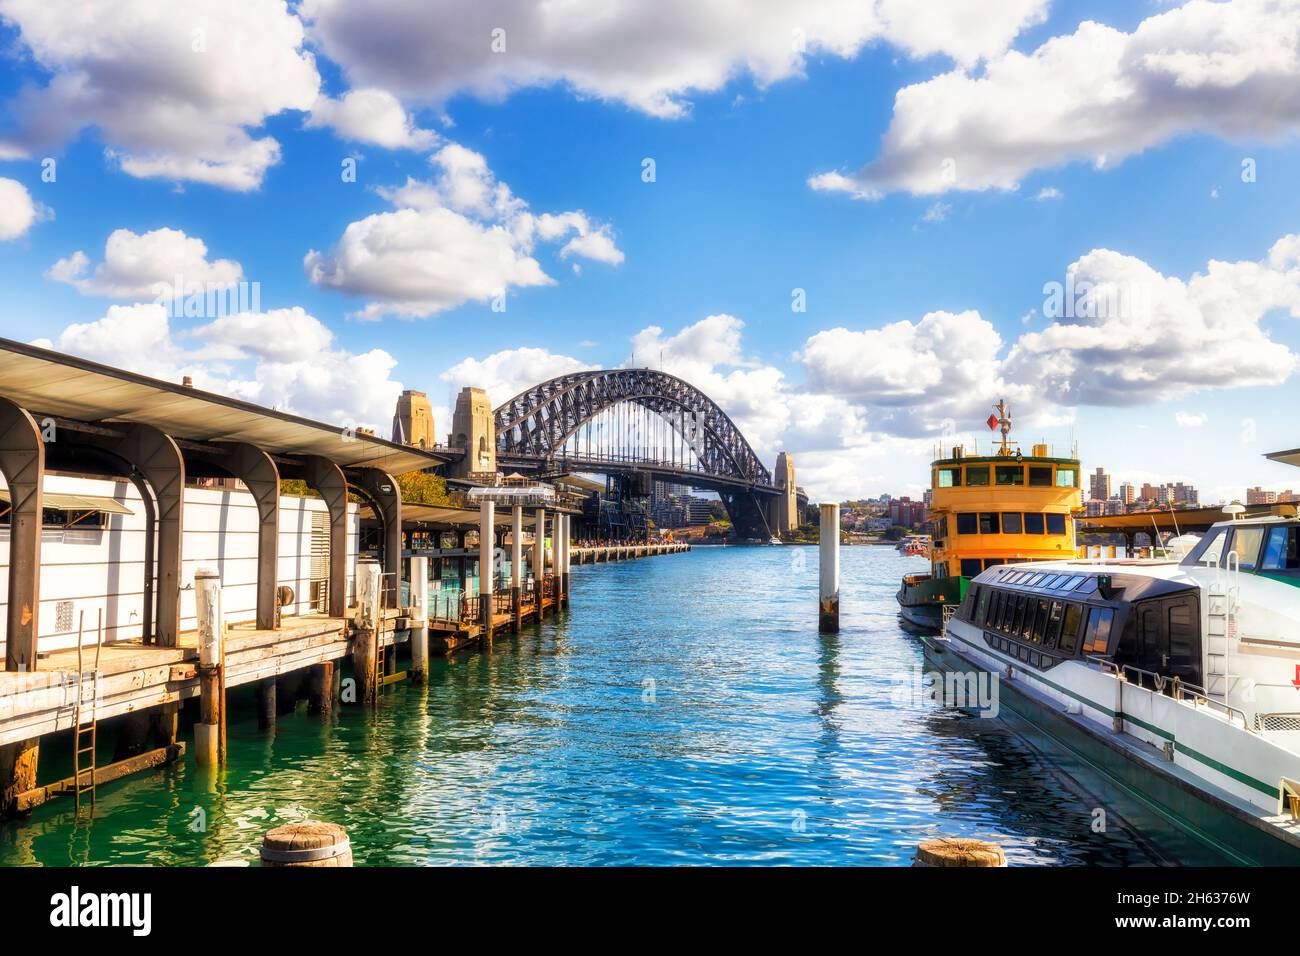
539	422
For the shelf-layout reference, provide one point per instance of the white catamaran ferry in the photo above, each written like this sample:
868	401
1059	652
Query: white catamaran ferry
1177	678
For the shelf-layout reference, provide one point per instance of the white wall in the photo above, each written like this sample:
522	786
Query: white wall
104	568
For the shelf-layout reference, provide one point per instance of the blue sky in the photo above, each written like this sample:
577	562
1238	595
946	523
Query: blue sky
730	227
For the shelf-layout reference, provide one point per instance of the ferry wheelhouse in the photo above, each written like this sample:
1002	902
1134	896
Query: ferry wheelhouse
987	511
1178	678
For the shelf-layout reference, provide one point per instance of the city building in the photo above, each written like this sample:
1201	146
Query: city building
1099	485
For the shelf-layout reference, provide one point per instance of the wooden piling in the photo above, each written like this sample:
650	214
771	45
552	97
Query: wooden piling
307	844
266	704
539	560
516	566
486	573
828	620
17	773
958	851
320	698
210	731
419	626
365	642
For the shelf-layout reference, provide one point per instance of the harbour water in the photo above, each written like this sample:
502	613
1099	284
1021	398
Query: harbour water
685	712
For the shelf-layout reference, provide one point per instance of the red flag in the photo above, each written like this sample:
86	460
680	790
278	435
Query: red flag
992	422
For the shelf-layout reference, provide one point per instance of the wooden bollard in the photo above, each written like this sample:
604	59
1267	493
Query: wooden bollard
420	619
365	643
210	731
307	844
958	851
828	617
266	703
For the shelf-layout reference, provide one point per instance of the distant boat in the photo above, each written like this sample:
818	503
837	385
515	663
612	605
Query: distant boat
775	540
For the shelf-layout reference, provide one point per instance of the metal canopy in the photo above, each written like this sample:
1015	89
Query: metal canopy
51	383
61	502
1291	457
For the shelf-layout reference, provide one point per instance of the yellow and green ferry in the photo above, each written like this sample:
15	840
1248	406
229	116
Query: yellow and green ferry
986	510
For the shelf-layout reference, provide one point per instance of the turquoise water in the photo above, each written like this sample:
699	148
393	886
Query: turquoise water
685	712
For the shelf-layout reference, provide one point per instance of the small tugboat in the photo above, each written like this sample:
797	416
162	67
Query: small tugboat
989	510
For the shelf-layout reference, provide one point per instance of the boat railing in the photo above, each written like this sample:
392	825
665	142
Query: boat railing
1175	687
948	611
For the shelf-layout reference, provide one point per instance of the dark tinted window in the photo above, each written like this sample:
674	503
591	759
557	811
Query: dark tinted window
1055	524
1011	523
1008	613
1054	624
970	567
988	523
1009	474
1040	476
1182	631
1040	622
1033	523
977	475
981	609
967	523
1069	642
1097	640
1280	550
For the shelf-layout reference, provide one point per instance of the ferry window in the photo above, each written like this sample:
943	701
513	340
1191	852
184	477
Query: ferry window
993	562
982	608
949	477
1011	523
1071	583
1183	644
1067	478
1052	581
1027	626
970	567
1040	622
968	523
1070	629
1008	612
1282	553
1098	637
1040	476
1210	548
1054	624
1018	619
1009	474
1246	542
977	475
995	609
1085	585
1033	523
988	522
1055	523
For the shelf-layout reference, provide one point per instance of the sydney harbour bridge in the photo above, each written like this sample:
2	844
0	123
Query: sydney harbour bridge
637	426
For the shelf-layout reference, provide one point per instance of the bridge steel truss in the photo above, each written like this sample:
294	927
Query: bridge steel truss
537	424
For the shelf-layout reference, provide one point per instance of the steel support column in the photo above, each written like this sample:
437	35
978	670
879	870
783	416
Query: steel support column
22	462
381	488
331	484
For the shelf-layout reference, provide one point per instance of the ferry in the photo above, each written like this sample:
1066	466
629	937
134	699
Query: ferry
1178	678
914	545
987	511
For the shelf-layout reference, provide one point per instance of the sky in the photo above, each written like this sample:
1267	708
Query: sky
855	225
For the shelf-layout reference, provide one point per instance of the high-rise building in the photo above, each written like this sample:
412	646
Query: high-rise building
1127	493
1258	496
1099	485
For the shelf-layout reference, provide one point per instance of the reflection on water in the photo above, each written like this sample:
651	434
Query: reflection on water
687	711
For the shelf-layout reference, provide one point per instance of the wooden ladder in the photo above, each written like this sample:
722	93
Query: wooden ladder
85	734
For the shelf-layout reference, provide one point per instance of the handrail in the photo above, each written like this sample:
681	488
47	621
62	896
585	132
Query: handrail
1180	688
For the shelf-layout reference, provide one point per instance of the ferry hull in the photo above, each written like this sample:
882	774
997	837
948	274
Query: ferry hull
1182	812
921	604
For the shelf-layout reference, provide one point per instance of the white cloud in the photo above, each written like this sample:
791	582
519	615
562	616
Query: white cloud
138	266
1149	337
649	57
505	374
937	212
175	90
284	359
1048	192
464	237
1228	69
17	209
1190	419
371	116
